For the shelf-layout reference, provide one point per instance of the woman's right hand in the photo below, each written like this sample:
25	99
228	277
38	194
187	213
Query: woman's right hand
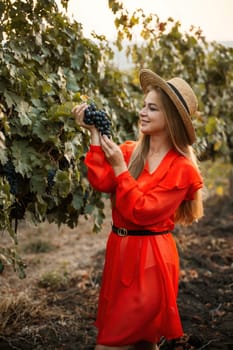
78	112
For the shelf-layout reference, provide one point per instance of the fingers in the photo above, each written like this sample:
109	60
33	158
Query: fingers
78	112
108	146
106	140
79	108
113	154
106	143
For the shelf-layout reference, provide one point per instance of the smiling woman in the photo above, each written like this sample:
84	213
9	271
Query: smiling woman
153	183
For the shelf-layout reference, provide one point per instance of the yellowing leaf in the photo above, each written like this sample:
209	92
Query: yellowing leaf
84	98
219	190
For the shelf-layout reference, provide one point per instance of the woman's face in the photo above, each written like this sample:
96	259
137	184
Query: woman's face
151	117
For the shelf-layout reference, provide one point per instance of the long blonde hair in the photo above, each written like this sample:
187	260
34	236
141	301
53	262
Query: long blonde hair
188	211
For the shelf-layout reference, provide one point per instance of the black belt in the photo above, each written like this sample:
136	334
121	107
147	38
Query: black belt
122	232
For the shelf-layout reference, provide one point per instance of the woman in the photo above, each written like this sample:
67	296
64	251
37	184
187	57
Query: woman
154	183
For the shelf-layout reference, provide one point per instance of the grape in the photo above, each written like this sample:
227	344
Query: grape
12	177
50	179
64	164
93	116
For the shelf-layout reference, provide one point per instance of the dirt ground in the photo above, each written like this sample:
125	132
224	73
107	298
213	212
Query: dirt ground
54	307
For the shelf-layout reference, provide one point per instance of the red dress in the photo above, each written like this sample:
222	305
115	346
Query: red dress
140	279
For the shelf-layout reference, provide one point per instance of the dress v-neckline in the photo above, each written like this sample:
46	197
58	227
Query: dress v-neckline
158	166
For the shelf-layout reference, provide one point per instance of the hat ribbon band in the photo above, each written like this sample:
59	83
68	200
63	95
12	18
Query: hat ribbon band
179	96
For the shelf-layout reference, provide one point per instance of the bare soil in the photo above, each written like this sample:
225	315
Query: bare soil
54	307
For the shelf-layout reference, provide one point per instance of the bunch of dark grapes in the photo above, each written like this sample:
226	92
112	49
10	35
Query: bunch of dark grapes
50	179
12	177
93	116
64	164
19	187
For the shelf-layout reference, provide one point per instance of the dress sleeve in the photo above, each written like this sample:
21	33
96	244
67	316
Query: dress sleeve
99	172
159	202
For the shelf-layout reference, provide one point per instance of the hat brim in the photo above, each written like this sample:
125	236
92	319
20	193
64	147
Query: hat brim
149	78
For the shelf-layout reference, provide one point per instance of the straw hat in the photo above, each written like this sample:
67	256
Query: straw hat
179	92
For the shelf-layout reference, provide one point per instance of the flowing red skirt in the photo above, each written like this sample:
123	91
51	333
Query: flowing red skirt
139	290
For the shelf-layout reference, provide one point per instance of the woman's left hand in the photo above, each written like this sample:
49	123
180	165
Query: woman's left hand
113	154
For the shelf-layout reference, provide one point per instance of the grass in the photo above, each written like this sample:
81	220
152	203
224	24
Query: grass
16	310
38	246
54	280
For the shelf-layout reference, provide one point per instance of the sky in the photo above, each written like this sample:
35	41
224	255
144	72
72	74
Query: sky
214	17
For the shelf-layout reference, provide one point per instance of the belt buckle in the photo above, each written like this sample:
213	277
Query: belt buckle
122	232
